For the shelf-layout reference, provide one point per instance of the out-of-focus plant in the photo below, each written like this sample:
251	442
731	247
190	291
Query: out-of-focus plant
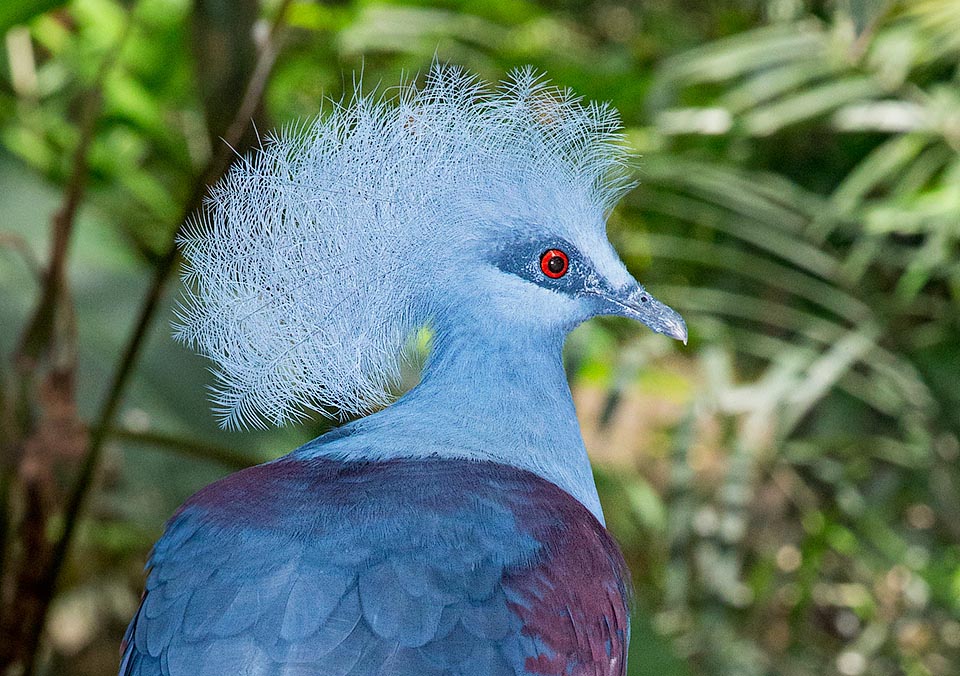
804	178
86	114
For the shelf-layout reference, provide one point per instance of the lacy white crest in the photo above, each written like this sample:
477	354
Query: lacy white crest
318	255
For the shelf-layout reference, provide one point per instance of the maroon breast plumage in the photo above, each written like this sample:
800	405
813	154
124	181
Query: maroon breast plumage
577	594
407	567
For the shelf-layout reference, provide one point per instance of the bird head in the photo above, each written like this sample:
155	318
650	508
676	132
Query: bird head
544	280
453	204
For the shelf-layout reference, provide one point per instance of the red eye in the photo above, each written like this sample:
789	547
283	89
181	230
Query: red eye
554	263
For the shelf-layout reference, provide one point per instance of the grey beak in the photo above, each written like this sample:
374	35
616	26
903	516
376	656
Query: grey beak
636	303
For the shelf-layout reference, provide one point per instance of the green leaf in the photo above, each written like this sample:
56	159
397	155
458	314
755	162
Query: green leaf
809	104
883	164
745	53
736	261
776	82
15	12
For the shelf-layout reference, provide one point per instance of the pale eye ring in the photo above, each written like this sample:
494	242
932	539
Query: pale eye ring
554	263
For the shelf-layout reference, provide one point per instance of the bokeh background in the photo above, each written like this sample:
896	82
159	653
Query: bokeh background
785	488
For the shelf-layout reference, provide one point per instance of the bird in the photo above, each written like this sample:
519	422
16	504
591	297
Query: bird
452	528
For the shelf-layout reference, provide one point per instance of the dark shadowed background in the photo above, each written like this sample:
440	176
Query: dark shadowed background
785	488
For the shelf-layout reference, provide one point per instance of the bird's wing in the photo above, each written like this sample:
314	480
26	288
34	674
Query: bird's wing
409	568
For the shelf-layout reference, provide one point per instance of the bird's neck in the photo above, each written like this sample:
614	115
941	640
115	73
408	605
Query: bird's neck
500	396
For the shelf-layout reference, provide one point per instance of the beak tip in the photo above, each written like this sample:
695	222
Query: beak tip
678	330
681	336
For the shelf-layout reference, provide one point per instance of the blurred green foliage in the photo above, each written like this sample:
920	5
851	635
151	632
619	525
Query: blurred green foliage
786	488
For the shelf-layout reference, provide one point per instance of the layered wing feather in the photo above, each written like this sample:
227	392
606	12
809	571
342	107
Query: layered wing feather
406	567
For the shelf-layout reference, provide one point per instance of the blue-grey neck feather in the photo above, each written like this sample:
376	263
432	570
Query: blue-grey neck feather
487	394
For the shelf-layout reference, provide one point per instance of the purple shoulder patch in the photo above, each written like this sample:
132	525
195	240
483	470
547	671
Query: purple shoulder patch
574	600
257	490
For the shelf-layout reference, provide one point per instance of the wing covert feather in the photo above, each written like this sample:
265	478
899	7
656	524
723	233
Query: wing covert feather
318	567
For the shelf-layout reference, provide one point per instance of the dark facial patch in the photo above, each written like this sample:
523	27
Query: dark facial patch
552	263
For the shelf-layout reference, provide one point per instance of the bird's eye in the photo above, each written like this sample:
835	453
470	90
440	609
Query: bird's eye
554	263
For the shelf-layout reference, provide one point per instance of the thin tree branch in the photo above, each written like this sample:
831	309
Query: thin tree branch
220	455
37	337
213	171
18	244
44	368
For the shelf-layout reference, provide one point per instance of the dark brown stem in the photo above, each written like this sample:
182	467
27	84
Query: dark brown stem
40	416
19	244
212	172
36	339
219	455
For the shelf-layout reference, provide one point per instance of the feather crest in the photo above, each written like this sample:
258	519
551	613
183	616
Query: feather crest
318	255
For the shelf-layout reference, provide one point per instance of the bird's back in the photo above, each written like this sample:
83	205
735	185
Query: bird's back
403	567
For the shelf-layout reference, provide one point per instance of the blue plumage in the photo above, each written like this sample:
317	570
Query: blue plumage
458	530
341	575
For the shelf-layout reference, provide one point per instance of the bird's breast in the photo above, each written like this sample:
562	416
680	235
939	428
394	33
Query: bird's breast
412	567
